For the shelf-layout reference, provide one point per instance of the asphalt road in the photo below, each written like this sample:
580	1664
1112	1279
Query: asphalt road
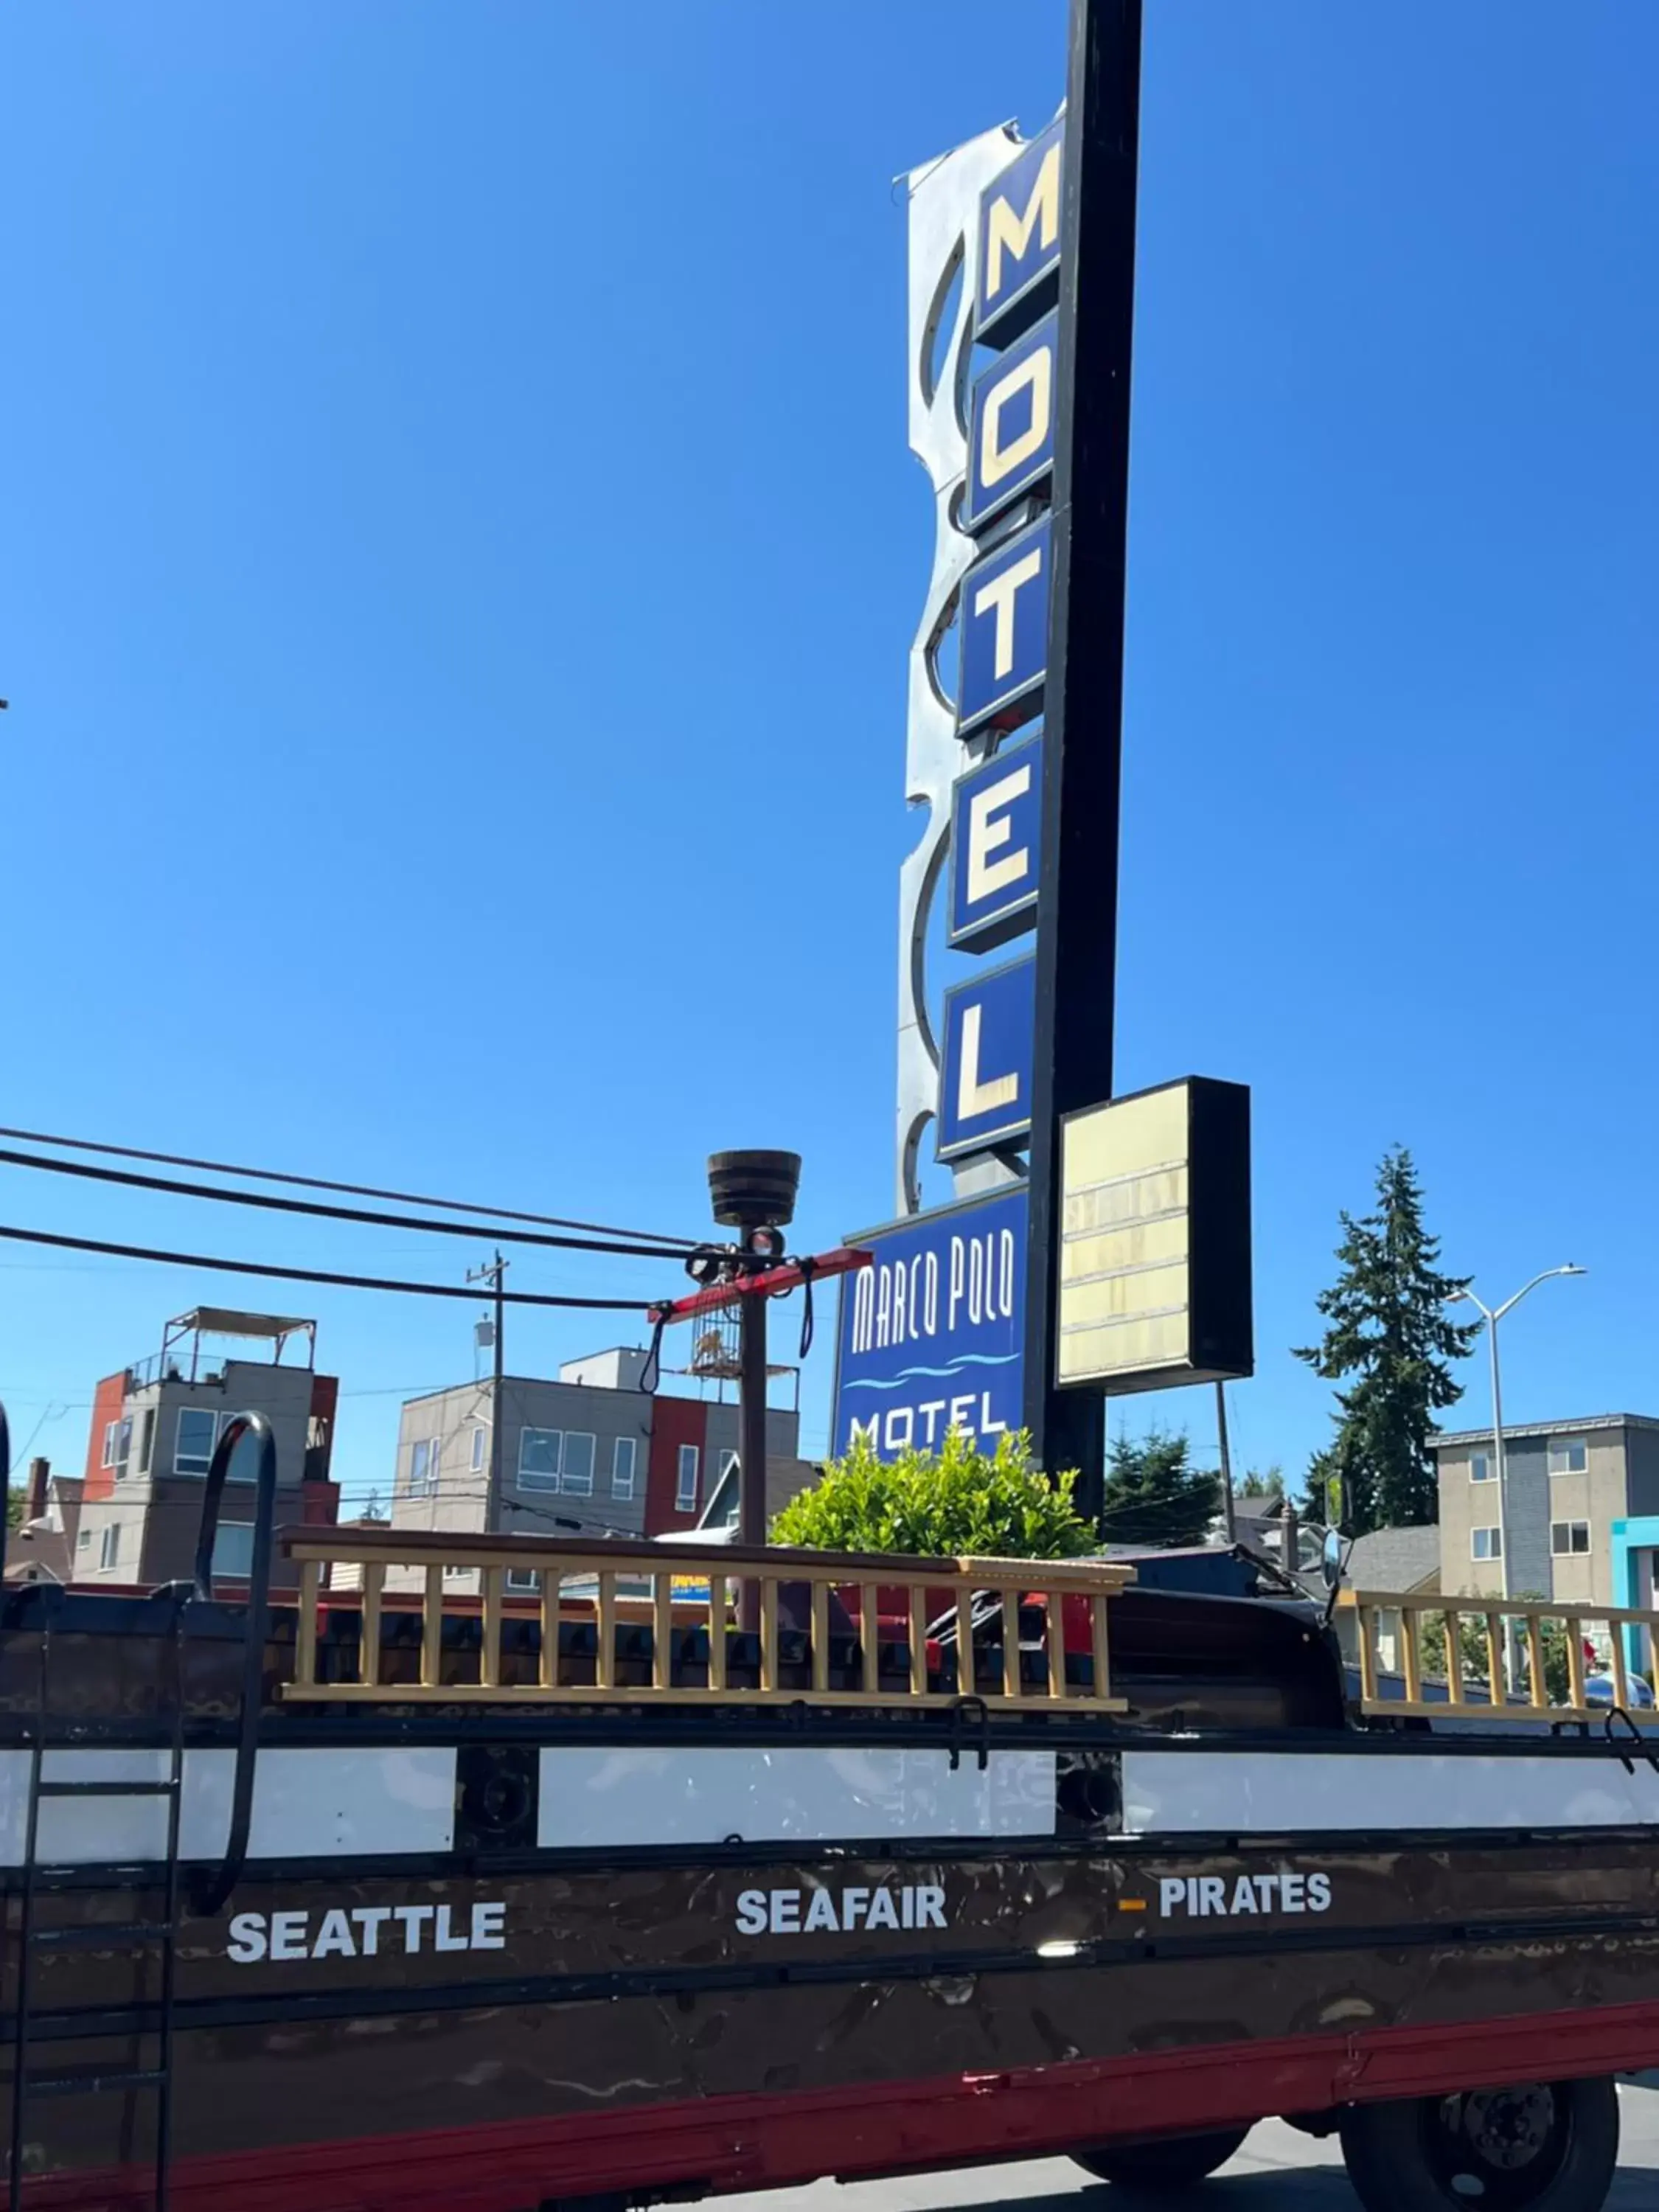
1277	2170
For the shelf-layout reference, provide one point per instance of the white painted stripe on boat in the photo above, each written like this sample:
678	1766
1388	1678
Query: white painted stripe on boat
1271	1793
608	1797
318	1803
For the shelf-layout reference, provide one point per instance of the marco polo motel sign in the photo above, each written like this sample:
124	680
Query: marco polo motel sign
1093	1243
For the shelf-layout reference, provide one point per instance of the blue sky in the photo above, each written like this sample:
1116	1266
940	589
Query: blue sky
459	555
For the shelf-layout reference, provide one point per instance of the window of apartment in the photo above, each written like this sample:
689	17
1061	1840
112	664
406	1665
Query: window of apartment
539	1454
685	1486
423	1467
576	1473
112	1430
1568	1456
623	1454
196	1434
480	1448
523	1581
1482	1468
1485	1543
83	1542
109	1549
1569	1536
146	1439
232	1549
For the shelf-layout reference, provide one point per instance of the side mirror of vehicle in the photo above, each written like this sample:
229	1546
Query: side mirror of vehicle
1332	1555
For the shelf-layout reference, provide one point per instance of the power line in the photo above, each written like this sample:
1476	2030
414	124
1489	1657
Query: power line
24	1451
314	1275
174	1188
350	1189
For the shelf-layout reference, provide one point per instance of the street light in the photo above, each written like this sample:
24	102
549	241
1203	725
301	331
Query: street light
1492	1317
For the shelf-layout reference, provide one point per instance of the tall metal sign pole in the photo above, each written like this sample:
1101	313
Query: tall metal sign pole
1093	1243
1082	725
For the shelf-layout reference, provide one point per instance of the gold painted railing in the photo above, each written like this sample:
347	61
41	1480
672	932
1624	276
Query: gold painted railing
1503	1670
397	1573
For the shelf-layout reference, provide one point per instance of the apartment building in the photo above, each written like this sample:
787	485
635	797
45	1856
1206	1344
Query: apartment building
154	1428
1566	1483
585	1453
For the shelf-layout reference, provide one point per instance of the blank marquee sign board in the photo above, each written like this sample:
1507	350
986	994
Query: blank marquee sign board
1155	1238
1053	1277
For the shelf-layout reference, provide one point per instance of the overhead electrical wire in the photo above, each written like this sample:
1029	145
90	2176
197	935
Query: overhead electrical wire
348	1189
615	1246
317	1275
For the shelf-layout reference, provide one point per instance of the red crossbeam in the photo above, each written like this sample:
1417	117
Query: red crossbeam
789	1275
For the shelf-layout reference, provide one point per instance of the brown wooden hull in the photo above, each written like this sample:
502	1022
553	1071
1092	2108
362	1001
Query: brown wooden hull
626	2011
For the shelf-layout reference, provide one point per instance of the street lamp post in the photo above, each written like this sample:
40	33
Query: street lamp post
1492	1316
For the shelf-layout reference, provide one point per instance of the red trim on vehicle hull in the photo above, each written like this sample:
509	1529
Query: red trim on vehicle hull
731	2144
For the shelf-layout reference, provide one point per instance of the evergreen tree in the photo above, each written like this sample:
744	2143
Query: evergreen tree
1389	1330
1259	1487
1152	1496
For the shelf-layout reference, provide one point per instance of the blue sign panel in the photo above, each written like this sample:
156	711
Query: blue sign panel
1019	242
932	1336
1004	623
985	1079
996	811
1010	433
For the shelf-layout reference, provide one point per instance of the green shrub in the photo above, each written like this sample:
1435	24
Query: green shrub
959	1502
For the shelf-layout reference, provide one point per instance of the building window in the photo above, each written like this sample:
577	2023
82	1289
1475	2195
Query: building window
623	1455
198	1432
232	1550
539	1453
576	1472
423	1468
685	1487
1482	1468
109	1549
146	1440
1485	1543
83	1542
523	1581
1569	1455
1567	1537
480	1440
112	1430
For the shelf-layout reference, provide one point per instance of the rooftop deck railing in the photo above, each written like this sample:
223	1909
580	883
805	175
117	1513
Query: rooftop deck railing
722	1624
1513	1659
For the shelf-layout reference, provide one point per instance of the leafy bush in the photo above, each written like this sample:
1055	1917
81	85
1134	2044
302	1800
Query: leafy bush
1472	1646
956	1502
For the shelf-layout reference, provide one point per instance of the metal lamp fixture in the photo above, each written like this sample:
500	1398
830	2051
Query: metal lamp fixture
1493	1315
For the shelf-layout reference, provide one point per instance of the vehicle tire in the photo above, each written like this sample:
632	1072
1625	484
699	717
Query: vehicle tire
1168	2164
1541	2147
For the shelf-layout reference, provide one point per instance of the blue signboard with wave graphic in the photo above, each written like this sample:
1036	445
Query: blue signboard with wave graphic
931	1335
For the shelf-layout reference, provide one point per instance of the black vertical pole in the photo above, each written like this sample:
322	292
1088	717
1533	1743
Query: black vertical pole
1083	712
751	1419
493	1512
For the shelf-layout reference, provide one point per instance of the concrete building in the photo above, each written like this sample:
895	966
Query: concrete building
587	1453
154	1428
1566	1483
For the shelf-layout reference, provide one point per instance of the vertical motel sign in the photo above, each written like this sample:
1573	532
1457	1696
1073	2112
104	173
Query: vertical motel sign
1030	866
